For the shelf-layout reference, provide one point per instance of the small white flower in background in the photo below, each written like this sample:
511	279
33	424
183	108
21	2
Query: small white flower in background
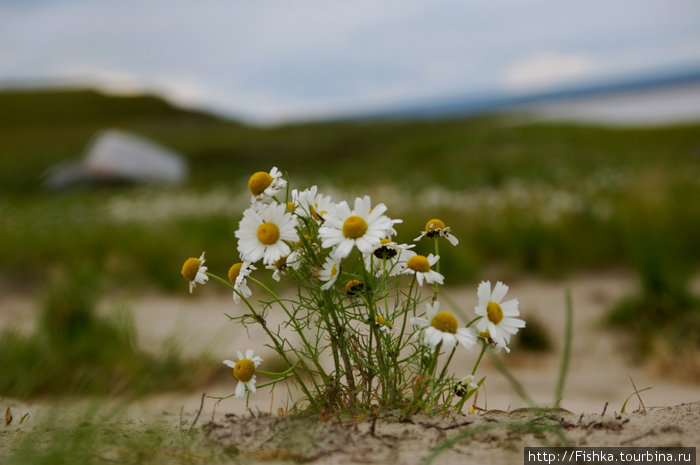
244	371
442	327
263	231
330	272
419	265
194	271
437	228
264	186
310	204
237	275
363	227
497	322
388	256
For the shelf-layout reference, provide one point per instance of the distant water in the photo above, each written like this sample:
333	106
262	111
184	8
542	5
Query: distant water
649	107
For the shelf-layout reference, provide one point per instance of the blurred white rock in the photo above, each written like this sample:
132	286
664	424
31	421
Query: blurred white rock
119	157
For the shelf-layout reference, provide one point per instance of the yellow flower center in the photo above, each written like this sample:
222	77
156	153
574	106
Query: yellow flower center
334	270
434	224
234	271
268	233
291	207
190	268
445	322
386	241
258	182
494	312
243	370
354	227
418	263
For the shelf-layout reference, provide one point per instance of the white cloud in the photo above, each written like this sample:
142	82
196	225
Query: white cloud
545	70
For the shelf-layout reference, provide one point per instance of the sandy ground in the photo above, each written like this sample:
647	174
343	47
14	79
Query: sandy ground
599	380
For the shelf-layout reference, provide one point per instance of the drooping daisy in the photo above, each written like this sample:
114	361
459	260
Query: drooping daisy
442	327
194	271
330	272
437	228
310	204
419	265
388	256
497	320
363	227
263	231
264	186
244	371
237	274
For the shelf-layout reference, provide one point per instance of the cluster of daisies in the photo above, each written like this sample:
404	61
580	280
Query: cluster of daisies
273	234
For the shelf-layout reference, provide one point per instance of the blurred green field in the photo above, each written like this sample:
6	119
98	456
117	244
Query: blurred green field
535	197
522	197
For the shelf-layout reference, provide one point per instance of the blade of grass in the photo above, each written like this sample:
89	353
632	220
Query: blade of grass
566	355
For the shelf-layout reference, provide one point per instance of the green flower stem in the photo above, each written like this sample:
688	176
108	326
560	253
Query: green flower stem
436	286
343	350
292	319
280	350
484	346
281	374
403	324
472	322
447	363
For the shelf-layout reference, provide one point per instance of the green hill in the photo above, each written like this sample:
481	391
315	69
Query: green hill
545	197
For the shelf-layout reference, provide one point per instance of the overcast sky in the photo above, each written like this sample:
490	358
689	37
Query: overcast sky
268	61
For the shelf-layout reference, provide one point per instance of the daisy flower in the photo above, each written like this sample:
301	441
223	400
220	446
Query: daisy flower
363	227
419	265
244	371
310	204
388	256
263	231
497	321
194	272
264	186
330	272
437	228
442	327
237	274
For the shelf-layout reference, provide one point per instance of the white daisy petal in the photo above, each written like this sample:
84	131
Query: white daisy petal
499	291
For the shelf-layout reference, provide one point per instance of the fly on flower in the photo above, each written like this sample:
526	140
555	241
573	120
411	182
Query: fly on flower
437	228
